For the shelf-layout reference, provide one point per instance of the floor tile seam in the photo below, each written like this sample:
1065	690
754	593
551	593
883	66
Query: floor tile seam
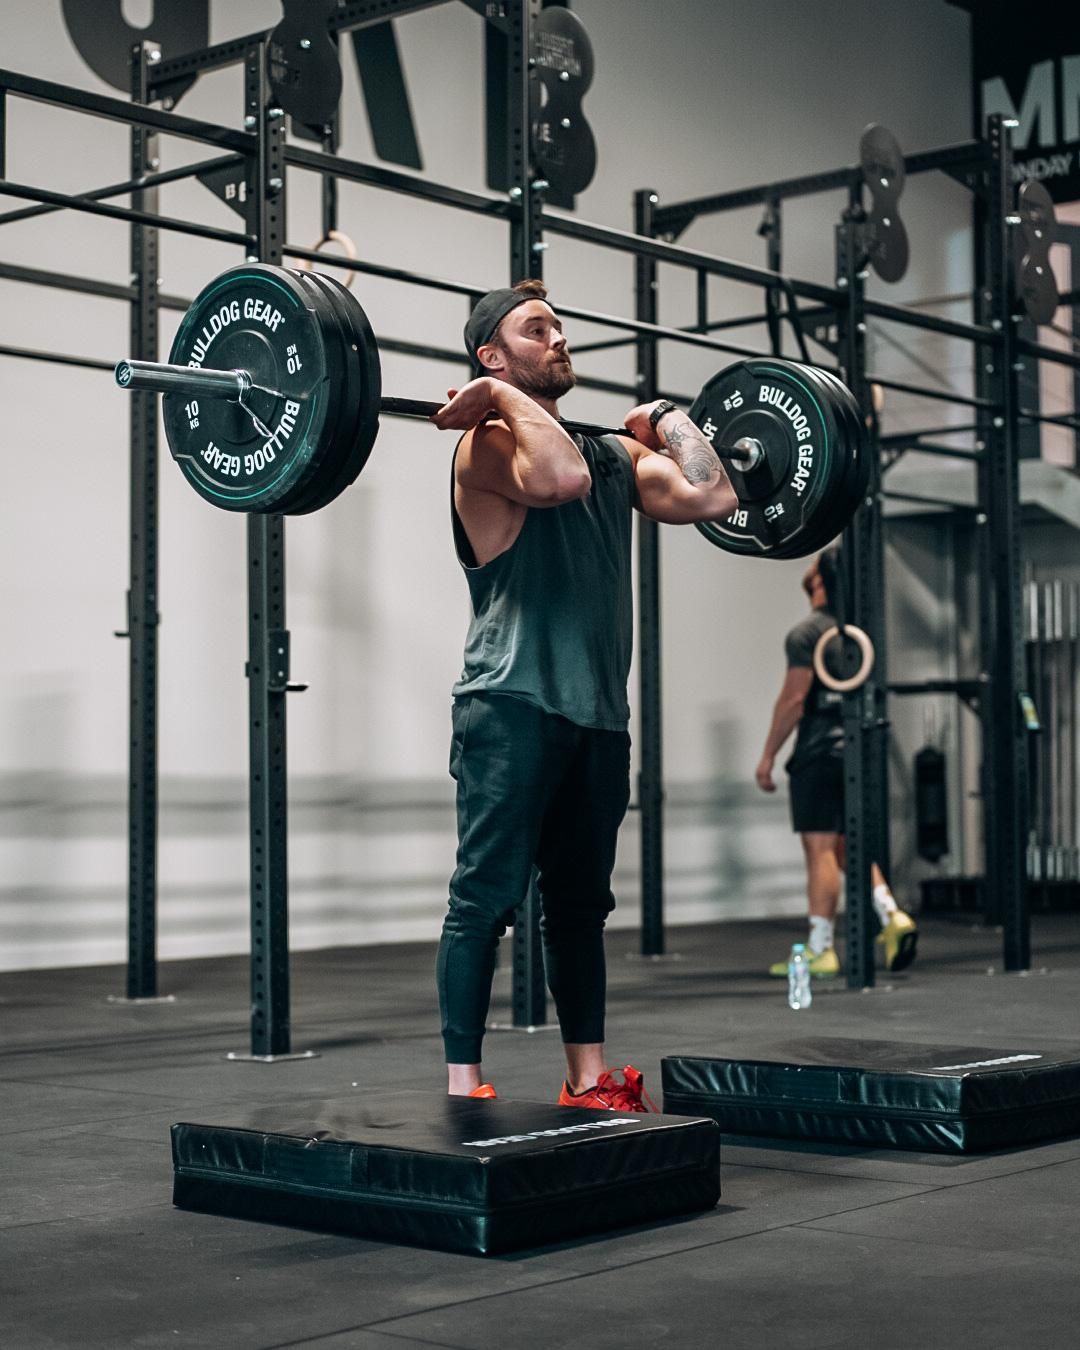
942	1185
363	1326
162	1109
1019	1172
820	1225
79	1087
837	1176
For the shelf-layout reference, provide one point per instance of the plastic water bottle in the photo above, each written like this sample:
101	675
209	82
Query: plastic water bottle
798	977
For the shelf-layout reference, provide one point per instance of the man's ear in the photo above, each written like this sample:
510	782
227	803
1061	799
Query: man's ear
490	357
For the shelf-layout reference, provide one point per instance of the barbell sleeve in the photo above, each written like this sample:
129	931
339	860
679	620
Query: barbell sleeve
161	378
233	385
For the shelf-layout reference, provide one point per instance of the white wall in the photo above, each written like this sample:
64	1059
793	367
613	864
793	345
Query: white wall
690	97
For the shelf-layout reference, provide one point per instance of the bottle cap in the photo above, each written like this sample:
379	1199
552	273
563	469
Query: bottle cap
798	947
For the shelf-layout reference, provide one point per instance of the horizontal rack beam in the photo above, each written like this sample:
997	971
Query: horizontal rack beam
942	395
1050	419
930	448
675	216
119	110
922	500
643	246
931	323
906	436
57	358
634	326
355	171
67	281
150	180
1043	353
91	208
718	326
965	688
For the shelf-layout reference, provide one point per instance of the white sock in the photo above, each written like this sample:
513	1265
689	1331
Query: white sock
821	934
884	904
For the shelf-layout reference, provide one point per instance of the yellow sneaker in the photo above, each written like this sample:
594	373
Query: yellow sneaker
899	938
823	966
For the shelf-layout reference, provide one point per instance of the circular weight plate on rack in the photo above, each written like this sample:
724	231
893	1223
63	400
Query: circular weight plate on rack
797	424
1036	284
366	382
562	67
341	393
882	163
260	319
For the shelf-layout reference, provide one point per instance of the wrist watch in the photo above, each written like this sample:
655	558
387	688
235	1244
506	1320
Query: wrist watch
661	410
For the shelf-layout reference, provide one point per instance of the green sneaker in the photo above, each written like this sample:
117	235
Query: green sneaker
899	937
822	967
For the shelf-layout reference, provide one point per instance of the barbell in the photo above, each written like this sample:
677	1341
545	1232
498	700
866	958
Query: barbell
273	393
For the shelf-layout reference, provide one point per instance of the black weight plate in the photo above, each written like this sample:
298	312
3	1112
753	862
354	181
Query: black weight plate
368	397
1035	207
305	70
827	521
857	479
883	171
888	251
360	424
563	145
1036	284
770	400
339	418
256	318
849	485
821	528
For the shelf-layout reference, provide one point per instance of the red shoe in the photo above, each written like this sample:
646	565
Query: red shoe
611	1095
484	1090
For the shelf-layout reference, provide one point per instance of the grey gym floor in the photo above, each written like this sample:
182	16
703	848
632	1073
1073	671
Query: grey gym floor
811	1246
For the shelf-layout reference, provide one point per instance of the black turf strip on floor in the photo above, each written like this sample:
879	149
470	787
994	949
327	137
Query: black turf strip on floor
812	1245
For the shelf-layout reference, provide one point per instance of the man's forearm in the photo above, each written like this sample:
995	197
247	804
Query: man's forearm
544	453
786	717
683	442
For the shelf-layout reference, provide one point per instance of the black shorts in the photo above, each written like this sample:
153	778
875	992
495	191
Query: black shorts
817	796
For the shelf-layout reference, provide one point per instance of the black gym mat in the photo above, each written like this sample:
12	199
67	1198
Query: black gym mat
448	1172
948	1098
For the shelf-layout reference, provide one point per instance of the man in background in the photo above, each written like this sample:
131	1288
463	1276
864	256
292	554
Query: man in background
816	773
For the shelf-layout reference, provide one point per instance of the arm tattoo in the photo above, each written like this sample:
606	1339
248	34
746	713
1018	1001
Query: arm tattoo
691	452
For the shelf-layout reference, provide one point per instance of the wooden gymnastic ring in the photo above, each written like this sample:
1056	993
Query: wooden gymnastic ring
333	237
862	641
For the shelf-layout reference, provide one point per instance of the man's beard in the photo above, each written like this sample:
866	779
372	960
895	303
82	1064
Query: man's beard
542	379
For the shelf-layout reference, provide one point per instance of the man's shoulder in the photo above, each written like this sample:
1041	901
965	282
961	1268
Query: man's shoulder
812	627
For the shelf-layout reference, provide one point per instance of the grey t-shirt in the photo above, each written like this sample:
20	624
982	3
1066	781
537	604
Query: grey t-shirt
821	730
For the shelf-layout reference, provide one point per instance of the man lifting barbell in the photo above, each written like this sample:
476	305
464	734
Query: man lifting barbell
541	751
816	776
273	398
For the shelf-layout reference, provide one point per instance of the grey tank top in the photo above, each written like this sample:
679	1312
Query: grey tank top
552	616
